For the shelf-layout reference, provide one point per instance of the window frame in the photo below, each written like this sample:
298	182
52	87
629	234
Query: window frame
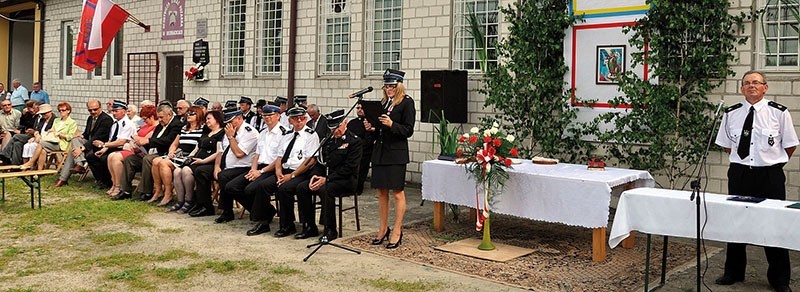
779	37
461	36
371	66
67	56
325	14
261	30
226	40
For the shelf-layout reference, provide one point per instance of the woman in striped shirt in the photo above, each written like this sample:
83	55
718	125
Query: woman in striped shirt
181	148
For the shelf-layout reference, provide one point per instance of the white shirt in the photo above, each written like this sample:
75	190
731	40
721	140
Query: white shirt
285	121
270	142
305	145
247	137
772	133
125	130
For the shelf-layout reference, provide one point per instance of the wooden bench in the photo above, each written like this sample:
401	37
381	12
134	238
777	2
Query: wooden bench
32	178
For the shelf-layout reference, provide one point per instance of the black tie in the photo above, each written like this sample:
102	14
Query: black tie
289	148
747	133
224	153
115	129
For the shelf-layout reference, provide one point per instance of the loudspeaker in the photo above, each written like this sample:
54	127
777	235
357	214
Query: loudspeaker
444	90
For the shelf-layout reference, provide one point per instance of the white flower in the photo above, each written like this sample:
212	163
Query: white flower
510	138
495	125
487	132
488	167
495	130
466	135
474	130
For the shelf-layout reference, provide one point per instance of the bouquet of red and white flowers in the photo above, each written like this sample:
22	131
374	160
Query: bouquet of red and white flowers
195	73
486	156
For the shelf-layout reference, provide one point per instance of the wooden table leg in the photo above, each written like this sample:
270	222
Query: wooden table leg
628	242
599	244
438	216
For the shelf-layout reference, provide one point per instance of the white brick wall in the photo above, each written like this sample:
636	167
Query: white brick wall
427	45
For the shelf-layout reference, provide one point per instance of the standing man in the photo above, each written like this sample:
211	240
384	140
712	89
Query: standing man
39	94
19	96
296	160
357	127
317	122
238	150
335	174
760	137
121	131
98	126
9	121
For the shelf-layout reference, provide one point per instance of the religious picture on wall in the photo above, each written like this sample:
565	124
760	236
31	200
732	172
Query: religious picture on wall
610	64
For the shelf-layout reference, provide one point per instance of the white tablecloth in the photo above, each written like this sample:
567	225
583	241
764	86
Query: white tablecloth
670	213
562	193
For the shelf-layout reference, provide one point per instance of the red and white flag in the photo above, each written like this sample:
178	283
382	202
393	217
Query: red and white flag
100	22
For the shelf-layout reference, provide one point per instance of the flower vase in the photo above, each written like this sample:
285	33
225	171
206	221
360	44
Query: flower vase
486	243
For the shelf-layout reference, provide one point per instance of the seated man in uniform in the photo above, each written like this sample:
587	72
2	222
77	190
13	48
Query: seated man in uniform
238	151
295	162
335	174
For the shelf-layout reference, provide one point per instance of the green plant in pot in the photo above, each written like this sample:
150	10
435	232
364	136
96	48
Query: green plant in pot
448	138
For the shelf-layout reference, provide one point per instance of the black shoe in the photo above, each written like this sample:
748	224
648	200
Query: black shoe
728	280
384	237
329	234
144	197
396	244
225	217
175	207
309	230
259	228
782	288
286	231
186	208
202	211
121	196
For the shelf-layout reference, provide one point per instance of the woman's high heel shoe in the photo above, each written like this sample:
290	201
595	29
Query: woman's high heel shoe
165	201
155	198
384	237
396	244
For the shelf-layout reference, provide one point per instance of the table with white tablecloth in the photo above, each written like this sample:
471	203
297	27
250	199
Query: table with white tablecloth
671	213
562	193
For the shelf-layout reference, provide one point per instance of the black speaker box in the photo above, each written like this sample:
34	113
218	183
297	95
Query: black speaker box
444	90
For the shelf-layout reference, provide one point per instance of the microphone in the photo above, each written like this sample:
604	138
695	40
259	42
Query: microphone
719	107
360	92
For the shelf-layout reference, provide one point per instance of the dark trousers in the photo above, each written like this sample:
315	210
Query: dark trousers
285	193
12	153
228	186
261	208
203	177
763	182
99	167
363	170
133	164
327	194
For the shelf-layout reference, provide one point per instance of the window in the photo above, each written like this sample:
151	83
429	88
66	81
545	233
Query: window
779	35
116	54
68	47
384	32
233	37
268	56
466	55
334	37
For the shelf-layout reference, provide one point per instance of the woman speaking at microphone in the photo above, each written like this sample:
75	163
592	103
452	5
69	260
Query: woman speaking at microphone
390	155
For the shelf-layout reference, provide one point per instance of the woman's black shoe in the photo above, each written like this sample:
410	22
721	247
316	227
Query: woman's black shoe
175	207
396	244
202	211
384	237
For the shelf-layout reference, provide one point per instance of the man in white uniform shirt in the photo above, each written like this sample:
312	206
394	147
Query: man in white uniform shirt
296	160
760	137
121	131
238	149
282	103
249	188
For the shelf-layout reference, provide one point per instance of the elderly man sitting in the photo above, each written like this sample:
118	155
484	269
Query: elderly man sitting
12	153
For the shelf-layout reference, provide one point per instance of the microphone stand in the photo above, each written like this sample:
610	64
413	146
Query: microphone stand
695	184
325	242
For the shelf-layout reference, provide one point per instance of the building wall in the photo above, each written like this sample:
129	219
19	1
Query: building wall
426	45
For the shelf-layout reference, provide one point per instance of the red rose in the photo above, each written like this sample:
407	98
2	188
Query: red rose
514	152
193	70
487	139
507	162
497	142
462	139
492	151
459	152
473	139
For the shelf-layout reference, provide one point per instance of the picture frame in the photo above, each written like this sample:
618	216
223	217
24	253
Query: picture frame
610	63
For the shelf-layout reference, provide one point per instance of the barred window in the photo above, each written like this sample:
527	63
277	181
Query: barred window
334	37
466	55
270	17
384	33
68	47
233	27
779	35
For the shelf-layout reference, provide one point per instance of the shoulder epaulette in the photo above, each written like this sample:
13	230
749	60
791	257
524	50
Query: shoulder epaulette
284	131
776	105
733	107
247	128
310	130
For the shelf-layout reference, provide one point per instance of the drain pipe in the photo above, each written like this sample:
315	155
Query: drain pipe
292	50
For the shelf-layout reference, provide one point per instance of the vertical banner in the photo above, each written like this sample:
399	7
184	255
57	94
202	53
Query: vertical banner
172	22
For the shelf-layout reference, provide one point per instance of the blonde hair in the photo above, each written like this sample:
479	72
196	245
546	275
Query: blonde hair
399	95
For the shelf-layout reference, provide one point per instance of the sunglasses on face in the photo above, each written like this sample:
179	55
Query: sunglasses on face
62	110
387	86
94	109
191	113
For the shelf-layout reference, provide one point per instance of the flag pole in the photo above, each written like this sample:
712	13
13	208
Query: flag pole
136	21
